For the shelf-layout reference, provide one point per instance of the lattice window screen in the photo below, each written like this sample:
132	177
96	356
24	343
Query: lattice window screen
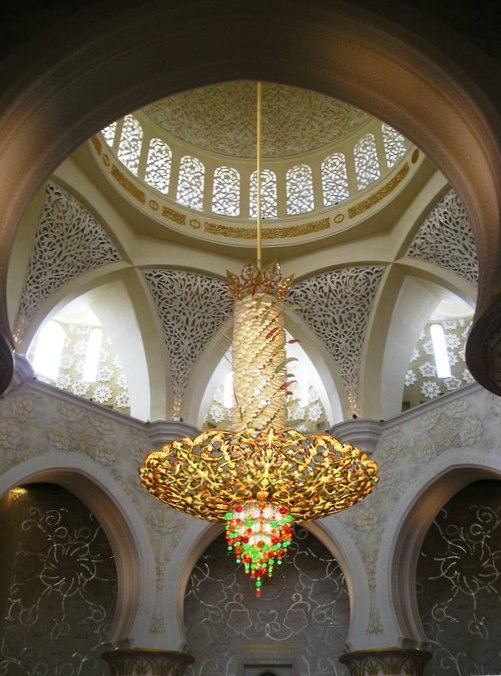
334	179
158	165
226	192
109	133
394	144
131	140
190	187
366	161
299	189
268	194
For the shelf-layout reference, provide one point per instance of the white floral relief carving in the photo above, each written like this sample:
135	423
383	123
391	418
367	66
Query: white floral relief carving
110	385
446	238
337	305
421	380
69	242
469	421
191	308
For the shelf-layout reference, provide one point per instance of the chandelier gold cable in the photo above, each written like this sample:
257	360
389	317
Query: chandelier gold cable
258	178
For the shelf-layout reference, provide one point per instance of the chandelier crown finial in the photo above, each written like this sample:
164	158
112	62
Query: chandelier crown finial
253	280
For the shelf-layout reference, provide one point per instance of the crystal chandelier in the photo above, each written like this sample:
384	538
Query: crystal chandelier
259	478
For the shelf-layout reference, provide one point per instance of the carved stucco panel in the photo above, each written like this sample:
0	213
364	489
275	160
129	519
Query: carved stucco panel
446	238
191	308
69	241
337	306
221	118
404	450
33	423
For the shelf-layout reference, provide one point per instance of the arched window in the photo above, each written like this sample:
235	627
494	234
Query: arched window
109	133
226	192
158	165
268	194
49	350
91	362
299	189
440	351
366	161
394	144
334	179
130	143
190	187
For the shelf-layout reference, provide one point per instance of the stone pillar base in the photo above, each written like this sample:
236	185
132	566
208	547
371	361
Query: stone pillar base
383	661
144	662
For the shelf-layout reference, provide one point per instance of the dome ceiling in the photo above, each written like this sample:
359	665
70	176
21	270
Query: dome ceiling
221	119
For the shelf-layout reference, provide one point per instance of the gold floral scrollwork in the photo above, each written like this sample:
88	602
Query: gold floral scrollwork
126	183
268	232
313	475
389	187
174	215
96	142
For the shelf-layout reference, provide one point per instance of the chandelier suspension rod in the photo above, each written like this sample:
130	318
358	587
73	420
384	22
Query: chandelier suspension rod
258	177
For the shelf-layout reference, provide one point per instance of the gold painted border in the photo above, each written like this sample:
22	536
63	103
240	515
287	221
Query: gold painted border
366	204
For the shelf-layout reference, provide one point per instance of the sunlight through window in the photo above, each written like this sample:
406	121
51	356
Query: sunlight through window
440	351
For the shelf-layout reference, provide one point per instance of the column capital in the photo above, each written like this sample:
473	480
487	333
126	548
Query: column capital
359	432
163	432
146	662
383	661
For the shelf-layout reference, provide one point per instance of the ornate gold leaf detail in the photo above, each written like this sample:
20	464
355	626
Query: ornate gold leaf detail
128	184
366	204
97	144
268	233
174	215
251	281
312	476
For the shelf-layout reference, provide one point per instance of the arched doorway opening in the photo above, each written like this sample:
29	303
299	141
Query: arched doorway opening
302	617
58	590
458	581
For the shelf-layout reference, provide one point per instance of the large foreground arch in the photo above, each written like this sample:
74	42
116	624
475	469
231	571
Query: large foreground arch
427	81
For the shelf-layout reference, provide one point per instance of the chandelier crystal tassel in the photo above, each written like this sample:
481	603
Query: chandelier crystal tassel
259	478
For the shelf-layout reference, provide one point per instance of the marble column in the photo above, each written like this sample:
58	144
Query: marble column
383	661
6	363
145	662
